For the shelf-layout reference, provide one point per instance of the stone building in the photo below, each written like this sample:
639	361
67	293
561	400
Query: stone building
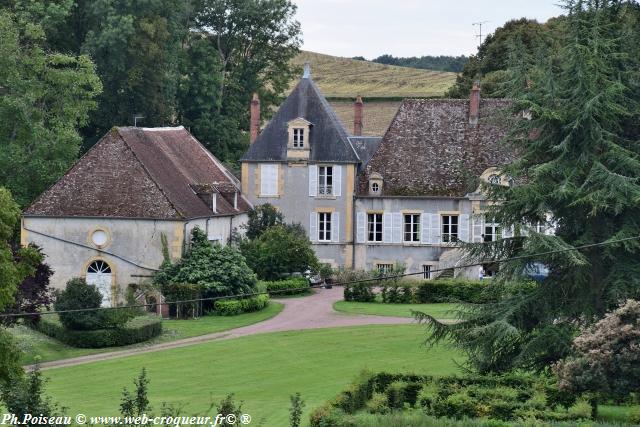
371	202
107	217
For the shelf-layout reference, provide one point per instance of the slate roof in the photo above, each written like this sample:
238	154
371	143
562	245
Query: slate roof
431	149
329	140
365	147
141	173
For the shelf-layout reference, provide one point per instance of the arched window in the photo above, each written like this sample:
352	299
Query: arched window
494	179
99	275
99	267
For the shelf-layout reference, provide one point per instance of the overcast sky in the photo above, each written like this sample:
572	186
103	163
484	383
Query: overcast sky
370	28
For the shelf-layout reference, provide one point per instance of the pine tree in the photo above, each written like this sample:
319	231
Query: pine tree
578	173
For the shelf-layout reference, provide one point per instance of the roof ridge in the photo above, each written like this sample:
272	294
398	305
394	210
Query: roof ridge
146	170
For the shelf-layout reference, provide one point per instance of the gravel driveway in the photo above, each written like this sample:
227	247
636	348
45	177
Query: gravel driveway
312	312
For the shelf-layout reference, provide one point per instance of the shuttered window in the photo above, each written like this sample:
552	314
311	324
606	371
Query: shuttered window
411	228
374	227
268	180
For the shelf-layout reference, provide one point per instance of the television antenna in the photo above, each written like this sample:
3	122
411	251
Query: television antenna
479	25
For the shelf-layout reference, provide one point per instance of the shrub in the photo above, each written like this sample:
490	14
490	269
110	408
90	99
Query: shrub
79	295
138	329
261	218
291	286
453	290
359	292
378	404
232	307
183	292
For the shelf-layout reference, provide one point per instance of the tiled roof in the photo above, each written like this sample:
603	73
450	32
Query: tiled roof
328	139
141	173
431	149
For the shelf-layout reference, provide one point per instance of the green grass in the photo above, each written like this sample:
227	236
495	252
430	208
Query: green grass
439	311
261	370
345	78
43	348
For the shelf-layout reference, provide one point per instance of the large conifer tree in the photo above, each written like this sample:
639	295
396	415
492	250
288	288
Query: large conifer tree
578	173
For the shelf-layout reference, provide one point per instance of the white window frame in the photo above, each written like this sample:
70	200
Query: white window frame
298	137
384	268
495	231
325	180
325	228
448	235
375	227
414	224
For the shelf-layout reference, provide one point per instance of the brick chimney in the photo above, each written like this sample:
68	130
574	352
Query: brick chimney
254	126
474	104
358	108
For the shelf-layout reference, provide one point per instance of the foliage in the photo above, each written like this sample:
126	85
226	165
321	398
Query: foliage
33	293
454	290
219	270
135	330
25	395
437	63
577	175
232	307
291	286
262	217
45	97
359	292
183	292
607	356
226	407
78	295
295	412
136	404
280	250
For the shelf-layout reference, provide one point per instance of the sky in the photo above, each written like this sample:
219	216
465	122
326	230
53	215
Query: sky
371	28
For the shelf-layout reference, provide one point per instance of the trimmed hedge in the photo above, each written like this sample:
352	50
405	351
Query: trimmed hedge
138	329
291	286
232	307
453	290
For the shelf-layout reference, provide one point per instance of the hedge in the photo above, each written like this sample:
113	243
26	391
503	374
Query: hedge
232	307
138	329
291	286
453	290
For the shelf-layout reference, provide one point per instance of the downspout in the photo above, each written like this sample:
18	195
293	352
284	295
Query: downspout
184	238
230	229
353	232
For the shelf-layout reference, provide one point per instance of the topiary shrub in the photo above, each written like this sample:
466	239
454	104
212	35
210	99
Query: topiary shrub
232	307
453	290
79	295
291	286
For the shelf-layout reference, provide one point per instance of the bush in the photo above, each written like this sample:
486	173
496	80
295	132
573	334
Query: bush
79	295
453	290
378	404
183	292
291	286
359	292
138	329
232	307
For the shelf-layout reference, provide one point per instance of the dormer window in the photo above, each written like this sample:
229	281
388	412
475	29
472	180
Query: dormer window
298	138
494	179
375	184
375	188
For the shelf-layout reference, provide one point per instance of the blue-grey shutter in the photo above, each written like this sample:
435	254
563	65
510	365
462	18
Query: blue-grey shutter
463	228
387	228
335	227
397	227
434	229
337	180
313	180
425	224
478	228
313	226
361	227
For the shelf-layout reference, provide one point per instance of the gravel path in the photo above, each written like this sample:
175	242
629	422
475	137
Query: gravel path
312	312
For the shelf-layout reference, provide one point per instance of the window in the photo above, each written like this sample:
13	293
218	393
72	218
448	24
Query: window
298	138
269	180
412	228
99	238
492	231
325	180
375	187
324	226
374	227
385	268
99	267
426	272
449	228
494	179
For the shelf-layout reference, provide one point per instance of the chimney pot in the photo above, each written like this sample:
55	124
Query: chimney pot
254	125
358	108
474	104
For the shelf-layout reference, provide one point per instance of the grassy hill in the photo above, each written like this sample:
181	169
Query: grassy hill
346	78
382	87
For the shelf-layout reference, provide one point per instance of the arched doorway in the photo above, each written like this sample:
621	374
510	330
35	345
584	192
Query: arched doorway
99	275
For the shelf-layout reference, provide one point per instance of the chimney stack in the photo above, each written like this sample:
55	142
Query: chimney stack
474	104
358	108
254	126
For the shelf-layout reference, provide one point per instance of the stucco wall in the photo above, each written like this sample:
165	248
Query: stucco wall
133	251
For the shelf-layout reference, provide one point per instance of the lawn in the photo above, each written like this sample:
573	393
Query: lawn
262	370
36	345
439	311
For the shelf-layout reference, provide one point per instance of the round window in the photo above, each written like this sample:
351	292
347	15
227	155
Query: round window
494	179
375	187
99	237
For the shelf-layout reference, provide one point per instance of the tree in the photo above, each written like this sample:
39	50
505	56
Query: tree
25	395
606	357
262	217
255	41
12	272
44	98
78	295
280	250
33	292
295	412
136	404
219	270
577	173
